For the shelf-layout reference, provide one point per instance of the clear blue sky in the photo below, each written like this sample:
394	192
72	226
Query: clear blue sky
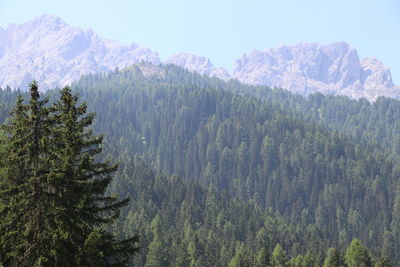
225	29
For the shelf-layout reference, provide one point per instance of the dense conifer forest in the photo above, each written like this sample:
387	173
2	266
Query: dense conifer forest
224	174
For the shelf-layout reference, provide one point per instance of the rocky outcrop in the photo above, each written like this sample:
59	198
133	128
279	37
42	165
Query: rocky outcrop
198	64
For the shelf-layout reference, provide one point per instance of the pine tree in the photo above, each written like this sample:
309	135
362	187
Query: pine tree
12	170
334	258
157	254
395	225
278	257
357	255
262	258
52	201
83	182
242	258
25	186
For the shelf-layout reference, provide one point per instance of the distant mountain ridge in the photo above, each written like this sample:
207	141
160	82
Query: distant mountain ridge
56	54
305	68
311	67
198	64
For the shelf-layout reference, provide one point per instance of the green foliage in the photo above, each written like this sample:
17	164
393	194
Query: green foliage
242	169
357	255
383	262
307	260
173	216
242	258
262	259
278	257
257	150
158	249
53	206
334	258
25	185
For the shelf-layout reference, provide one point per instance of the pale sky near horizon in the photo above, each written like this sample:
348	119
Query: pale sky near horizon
225	29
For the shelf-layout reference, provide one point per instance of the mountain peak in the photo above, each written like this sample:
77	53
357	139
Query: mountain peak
191	62
56	54
44	22
376	73
198	64
311	67
47	19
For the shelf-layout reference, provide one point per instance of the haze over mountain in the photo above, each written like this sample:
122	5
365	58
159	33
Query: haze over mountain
312	67
305	68
56	54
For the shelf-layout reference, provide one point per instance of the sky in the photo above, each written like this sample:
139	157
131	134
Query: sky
223	30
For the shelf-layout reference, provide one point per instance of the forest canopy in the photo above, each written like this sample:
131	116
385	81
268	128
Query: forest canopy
225	174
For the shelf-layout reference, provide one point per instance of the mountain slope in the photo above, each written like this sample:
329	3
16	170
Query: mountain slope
195	127
255	151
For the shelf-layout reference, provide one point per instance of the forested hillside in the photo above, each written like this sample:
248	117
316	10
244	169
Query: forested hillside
244	168
181	223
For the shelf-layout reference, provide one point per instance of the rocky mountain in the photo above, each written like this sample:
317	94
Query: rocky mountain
56	54
311	67
304	68
198	64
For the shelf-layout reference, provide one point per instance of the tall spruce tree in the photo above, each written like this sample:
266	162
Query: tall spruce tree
12	169
334	258
85	181
279	258
157	254
25	184
52	190
357	255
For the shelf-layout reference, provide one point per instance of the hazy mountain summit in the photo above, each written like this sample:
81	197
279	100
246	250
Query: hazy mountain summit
311	67
198	64
304	68
56	54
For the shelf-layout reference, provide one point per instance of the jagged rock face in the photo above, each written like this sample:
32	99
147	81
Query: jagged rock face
309	67
191	62
198	64
304	68
375	74
55	54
